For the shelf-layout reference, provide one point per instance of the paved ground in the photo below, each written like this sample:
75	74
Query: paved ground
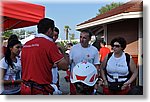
64	86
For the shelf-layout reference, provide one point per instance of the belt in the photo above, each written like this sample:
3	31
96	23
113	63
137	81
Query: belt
42	87
33	84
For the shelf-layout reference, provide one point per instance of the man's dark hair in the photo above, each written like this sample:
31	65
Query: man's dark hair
56	30
44	24
103	42
87	31
96	44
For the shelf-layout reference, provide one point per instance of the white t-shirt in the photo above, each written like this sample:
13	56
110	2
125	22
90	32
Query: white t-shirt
78	54
117	67
55	75
11	74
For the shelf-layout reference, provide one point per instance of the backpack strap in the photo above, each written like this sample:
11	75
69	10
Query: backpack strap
127	59
128	64
109	55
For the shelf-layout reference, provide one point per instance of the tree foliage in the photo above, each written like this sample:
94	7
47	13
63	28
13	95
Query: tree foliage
108	7
7	33
63	44
67	28
72	36
20	33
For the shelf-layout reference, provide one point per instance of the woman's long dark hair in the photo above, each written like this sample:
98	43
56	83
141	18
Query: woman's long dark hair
8	60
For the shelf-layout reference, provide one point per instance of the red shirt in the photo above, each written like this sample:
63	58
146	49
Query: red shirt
103	52
37	59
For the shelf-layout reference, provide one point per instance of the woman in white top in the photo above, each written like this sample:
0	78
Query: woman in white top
10	67
118	71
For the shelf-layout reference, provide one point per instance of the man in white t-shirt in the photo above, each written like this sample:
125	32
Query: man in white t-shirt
83	52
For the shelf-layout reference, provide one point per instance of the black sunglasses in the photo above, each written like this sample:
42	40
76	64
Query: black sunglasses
116	46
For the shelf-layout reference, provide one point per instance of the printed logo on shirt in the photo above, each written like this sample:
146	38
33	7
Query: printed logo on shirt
32	45
120	65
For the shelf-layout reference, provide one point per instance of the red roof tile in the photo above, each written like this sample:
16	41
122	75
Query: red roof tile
132	6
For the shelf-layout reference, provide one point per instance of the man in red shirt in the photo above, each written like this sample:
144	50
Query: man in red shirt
103	50
37	59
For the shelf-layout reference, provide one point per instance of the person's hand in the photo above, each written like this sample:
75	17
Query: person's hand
125	85
100	82
55	65
105	83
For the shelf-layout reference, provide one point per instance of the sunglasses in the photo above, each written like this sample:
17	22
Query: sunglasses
116	46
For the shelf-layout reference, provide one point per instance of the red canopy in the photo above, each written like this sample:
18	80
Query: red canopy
20	14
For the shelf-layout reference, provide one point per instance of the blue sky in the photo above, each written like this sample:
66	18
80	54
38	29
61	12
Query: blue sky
70	12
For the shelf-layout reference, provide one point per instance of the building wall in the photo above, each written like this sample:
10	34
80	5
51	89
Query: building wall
127	29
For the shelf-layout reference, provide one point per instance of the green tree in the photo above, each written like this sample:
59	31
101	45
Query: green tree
67	28
75	42
20	33
7	33
108	7
72	36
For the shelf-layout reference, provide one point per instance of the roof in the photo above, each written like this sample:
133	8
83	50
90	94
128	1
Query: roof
20	14
133	7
